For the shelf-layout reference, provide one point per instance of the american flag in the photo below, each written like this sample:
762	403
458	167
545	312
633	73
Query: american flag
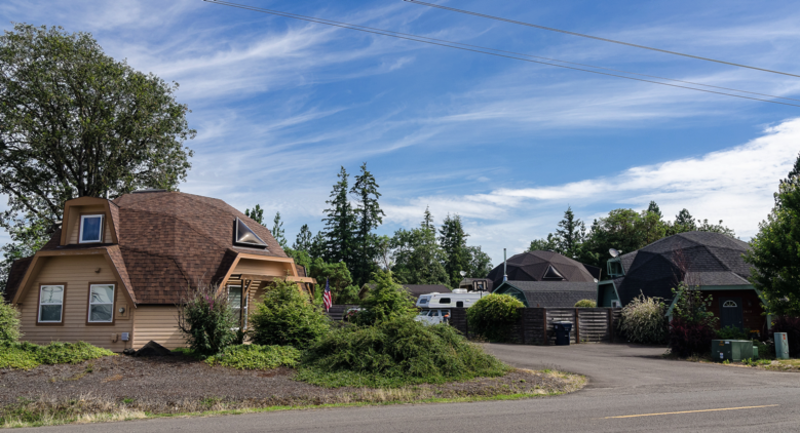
326	298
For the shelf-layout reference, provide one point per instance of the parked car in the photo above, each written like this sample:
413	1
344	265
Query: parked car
433	317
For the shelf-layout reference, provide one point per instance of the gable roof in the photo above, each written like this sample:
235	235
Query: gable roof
15	275
422	289
534	265
709	259
170	241
551	294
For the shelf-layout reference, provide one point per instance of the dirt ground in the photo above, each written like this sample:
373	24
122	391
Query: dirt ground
174	383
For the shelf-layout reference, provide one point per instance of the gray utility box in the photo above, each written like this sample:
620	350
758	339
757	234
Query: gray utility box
781	345
731	350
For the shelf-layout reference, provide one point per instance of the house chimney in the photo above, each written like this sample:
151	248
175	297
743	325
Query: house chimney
505	259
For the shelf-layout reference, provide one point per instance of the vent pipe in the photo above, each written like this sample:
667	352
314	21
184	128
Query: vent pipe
505	259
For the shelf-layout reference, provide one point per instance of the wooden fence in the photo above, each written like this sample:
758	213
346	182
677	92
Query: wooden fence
535	326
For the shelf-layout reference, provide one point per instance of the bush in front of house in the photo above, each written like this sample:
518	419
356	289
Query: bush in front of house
387	300
791	326
586	303
25	356
286	317
256	357
692	326
493	316
395	353
642	321
9	323
732	333
206	320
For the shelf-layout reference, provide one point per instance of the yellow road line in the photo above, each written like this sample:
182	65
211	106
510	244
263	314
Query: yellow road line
690	411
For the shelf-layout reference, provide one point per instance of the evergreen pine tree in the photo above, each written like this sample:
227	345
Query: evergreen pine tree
368	217
339	222
684	222
278	232
303	241
453	241
256	214
653	208
570	234
318	248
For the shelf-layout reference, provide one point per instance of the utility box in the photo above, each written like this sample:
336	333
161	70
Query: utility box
731	350
781	345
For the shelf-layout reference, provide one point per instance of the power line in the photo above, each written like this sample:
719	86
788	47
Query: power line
507	54
522	23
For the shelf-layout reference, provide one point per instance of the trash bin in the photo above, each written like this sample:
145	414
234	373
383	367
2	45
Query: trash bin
562	332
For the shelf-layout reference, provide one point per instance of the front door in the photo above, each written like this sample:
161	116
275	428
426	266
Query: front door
731	312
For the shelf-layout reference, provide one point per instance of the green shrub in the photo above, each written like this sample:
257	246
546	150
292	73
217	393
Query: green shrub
286	317
732	333
493	316
206	320
395	353
692	327
766	350
386	301
9	323
586	303
25	356
255	357
643	321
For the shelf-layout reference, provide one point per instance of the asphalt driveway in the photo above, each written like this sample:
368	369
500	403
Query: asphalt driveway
631	389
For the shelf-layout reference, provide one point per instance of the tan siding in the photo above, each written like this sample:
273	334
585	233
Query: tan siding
158	323
77	272
74	222
262	267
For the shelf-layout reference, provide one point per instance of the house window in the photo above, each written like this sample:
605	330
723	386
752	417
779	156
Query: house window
91	228
51	304
729	304
101	303
239	308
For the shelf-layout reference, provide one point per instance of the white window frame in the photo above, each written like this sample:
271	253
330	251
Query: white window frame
242	322
63	295
113	298
100	235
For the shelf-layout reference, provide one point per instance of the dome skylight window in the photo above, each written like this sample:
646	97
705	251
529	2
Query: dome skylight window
552	274
246	237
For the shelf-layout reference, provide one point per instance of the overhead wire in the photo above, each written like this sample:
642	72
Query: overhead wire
613	41
511	54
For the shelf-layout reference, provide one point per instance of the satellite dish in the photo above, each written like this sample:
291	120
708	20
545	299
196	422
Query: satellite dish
462	273
614	253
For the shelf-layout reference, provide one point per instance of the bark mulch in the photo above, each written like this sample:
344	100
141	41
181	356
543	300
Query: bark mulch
177	383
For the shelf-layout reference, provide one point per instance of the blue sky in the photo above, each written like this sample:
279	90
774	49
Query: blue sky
279	105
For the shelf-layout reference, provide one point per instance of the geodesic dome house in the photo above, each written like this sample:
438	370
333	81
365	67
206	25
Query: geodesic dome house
713	262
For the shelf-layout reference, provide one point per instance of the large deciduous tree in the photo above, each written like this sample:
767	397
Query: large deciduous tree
775	252
76	122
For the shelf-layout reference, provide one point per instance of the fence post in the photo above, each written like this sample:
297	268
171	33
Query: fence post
545	341
611	334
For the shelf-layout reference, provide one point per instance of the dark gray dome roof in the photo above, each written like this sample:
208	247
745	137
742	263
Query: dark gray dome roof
699	258
541	266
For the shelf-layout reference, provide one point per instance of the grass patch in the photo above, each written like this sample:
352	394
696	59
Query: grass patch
255	357
25	356
395	353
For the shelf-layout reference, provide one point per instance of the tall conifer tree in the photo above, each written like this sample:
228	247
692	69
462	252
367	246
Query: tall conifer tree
368	217
303	241
339	222
570	234
453	241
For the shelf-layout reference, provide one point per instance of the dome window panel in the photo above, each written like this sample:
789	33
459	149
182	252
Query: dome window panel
246	237
729	304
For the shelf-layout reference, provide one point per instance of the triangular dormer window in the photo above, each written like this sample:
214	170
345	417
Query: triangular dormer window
246	237
552	274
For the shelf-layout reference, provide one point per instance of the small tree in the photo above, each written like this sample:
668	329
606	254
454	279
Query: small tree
206	320
493	316
586	303
386	301
692	326
287	318
9	323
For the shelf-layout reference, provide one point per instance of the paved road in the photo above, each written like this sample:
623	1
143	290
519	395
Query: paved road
624	384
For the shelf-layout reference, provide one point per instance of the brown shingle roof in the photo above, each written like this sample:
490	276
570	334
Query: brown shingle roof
15	275
169	241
